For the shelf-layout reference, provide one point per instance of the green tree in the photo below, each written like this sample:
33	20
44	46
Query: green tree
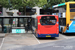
4	3
16	4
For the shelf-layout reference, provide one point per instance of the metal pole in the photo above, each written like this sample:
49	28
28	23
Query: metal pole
18	23
11	24
2	26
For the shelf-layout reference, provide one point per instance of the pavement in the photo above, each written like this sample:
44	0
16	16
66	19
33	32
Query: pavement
29	41
20	40
2	35
68	44
1	41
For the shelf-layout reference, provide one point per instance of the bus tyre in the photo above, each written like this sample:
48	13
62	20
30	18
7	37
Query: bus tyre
62	30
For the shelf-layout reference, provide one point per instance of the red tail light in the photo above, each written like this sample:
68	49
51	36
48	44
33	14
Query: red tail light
67	26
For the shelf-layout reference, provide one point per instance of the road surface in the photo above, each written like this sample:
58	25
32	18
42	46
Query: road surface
13	41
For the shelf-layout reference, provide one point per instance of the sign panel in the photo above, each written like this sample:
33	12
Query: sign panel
18	30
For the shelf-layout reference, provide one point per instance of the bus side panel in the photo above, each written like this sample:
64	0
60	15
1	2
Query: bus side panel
38	26
71	28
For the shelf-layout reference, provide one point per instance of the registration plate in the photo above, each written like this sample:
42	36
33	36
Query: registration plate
48	36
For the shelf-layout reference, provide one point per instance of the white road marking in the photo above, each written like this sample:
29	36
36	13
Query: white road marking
37	39
2	43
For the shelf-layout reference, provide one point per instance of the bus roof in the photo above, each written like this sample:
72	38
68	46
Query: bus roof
58	5
34	16
62	4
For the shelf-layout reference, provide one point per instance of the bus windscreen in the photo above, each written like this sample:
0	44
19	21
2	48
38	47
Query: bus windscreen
48	20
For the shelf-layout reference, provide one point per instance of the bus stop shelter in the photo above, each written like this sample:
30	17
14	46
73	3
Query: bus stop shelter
14	24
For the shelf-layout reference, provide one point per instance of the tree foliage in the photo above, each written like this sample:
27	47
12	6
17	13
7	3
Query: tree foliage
4	3
15	4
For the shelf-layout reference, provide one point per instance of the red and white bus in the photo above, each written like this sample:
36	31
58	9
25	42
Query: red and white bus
45	26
